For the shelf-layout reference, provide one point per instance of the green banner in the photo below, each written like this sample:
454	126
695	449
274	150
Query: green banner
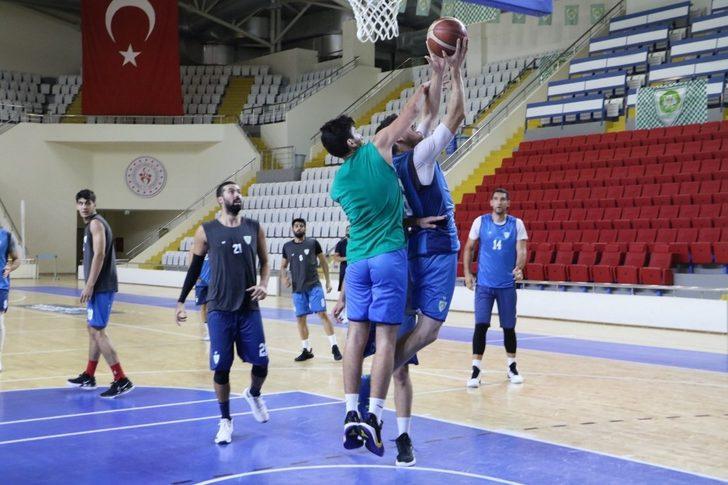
571	14
403	6
597	11
423	8
519	18
545	20
683	103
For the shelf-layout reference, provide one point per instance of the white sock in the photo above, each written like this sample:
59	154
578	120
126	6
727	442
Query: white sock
352	401
376	407
305	345
403	425
476	363
511	360
332	339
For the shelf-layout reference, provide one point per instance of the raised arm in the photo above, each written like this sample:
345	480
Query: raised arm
432	106
385	139
455	113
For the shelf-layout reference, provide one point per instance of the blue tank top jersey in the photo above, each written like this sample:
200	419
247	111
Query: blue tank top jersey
426	201
204	279
497	254
6	247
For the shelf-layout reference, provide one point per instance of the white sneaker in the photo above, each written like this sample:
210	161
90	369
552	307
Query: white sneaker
257	405
473	383
224	432
513	374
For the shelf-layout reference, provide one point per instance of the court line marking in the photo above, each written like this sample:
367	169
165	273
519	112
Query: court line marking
156	423
386	467
525	436
109	411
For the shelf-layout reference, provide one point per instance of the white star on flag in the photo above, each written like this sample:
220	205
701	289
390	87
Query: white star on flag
129	56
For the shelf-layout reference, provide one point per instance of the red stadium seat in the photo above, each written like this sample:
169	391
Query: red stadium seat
658	270
610	259
581	271
544	255
557	271
628	273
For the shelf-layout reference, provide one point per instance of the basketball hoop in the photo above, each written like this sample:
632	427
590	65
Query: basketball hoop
375	19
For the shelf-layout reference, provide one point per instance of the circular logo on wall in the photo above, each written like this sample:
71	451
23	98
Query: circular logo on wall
146	176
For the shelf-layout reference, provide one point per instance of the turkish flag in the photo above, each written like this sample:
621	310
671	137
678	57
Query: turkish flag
130	57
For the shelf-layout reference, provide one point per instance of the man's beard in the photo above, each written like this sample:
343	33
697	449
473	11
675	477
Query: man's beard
299	235
233	208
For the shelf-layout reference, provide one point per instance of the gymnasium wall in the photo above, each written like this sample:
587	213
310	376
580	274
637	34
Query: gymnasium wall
33	42
135	225
305	119
503	39
47	164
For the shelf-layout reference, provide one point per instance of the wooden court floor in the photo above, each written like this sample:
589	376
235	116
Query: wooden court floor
587	386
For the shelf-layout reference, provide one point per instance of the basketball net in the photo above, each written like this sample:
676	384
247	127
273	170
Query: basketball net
375	19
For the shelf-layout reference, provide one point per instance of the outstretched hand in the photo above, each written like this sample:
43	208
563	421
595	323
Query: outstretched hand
437	63
456	60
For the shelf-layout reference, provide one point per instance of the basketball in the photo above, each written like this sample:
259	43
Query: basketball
443	34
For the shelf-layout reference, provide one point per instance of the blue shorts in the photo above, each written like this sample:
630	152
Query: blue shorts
506	299
98	309
376	288
432	282
3	301
309	301
200	295
410	320
244	329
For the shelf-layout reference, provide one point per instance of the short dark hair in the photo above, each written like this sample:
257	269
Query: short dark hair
87	194
298	219
335	134
500	190
385	123
221	187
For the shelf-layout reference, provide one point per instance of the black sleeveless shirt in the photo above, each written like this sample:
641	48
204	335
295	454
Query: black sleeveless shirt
233	256
107	280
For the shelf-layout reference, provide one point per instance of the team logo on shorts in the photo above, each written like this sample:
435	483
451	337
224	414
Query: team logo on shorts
442	304
90	314
215	358
5	305
247	240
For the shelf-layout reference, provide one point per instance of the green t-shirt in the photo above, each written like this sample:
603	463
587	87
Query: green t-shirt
368	190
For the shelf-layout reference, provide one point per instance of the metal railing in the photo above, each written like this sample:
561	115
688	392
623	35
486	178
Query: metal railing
548	67
320	84
376	89
123	119
278	158
161	230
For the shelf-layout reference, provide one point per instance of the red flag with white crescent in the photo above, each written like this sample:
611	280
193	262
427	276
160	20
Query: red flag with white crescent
130	57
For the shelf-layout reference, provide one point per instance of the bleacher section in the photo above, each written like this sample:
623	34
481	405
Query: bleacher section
20	92
619	207
275	205
634	54
279	99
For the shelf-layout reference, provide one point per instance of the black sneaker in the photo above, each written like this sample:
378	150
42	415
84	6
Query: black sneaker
83	381
305	355
373	432
337	353
122	386
353	435
513	374
405	452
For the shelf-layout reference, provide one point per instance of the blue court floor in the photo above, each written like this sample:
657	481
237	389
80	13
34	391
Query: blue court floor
165	435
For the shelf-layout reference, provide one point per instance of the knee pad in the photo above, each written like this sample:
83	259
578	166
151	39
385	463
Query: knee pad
481	329
509	340
259	371
222	377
